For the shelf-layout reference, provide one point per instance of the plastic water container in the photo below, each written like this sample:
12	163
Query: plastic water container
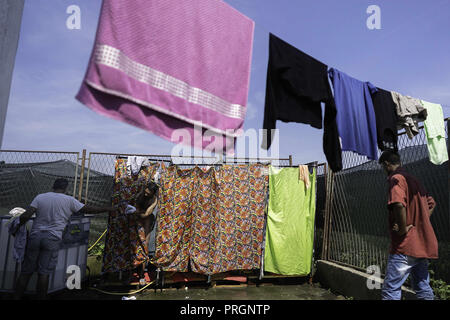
73	251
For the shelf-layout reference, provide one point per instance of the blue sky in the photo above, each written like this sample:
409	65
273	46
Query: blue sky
410	54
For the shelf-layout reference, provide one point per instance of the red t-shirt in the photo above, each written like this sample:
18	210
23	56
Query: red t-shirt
420	241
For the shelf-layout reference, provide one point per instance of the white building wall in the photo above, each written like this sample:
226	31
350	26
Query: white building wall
10	21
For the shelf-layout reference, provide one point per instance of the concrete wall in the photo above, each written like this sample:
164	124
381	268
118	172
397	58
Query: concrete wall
10	21
350	282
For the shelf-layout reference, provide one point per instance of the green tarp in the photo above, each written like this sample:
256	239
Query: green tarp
290	223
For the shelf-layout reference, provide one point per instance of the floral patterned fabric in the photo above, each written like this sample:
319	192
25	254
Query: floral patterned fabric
125	246
174	221
211	220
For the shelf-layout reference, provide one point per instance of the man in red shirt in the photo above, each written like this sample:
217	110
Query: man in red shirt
413	241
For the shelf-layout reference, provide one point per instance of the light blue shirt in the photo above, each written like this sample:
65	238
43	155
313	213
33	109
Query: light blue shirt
53	212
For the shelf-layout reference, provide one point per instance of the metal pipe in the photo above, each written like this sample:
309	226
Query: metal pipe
124	156
31	151
268	159
421	127
87	179
76	176
314	229
325	223
148	155
328	214
83	163
150	159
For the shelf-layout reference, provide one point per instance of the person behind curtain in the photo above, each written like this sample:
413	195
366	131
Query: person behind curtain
413	240
146	202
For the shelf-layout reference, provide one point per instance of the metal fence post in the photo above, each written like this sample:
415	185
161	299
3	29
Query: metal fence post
328	214
87	179
76	176
325	216
316	165
83	162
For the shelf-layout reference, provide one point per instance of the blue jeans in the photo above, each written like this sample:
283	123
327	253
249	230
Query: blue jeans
399	267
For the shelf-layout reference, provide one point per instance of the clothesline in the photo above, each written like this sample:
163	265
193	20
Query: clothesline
221	164
238	209
314	164
130	74
421	127
262	26
269	30
149	159
124	155
362	117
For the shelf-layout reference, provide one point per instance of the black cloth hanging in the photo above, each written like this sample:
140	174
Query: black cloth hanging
386	118
296	85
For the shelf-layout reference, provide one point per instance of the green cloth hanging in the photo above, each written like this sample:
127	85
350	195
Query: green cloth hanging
290	222
434	127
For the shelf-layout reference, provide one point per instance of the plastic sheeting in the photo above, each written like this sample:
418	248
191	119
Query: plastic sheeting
290	223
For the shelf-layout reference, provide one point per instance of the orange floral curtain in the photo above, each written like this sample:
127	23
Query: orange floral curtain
125	246
211	220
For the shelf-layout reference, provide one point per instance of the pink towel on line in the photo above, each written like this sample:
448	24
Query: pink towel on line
163	65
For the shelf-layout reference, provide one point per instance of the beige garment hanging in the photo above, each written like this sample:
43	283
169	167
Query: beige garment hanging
410	111
303	174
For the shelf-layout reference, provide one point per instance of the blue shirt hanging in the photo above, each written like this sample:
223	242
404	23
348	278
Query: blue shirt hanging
355	114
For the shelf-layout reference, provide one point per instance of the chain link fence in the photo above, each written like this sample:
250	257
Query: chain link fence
357	233
25	174
98	188
351	217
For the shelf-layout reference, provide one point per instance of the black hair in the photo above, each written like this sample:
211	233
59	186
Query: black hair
390	156
142	200
60	184
153	187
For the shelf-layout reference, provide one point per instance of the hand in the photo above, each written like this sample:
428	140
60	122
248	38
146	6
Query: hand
396	229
